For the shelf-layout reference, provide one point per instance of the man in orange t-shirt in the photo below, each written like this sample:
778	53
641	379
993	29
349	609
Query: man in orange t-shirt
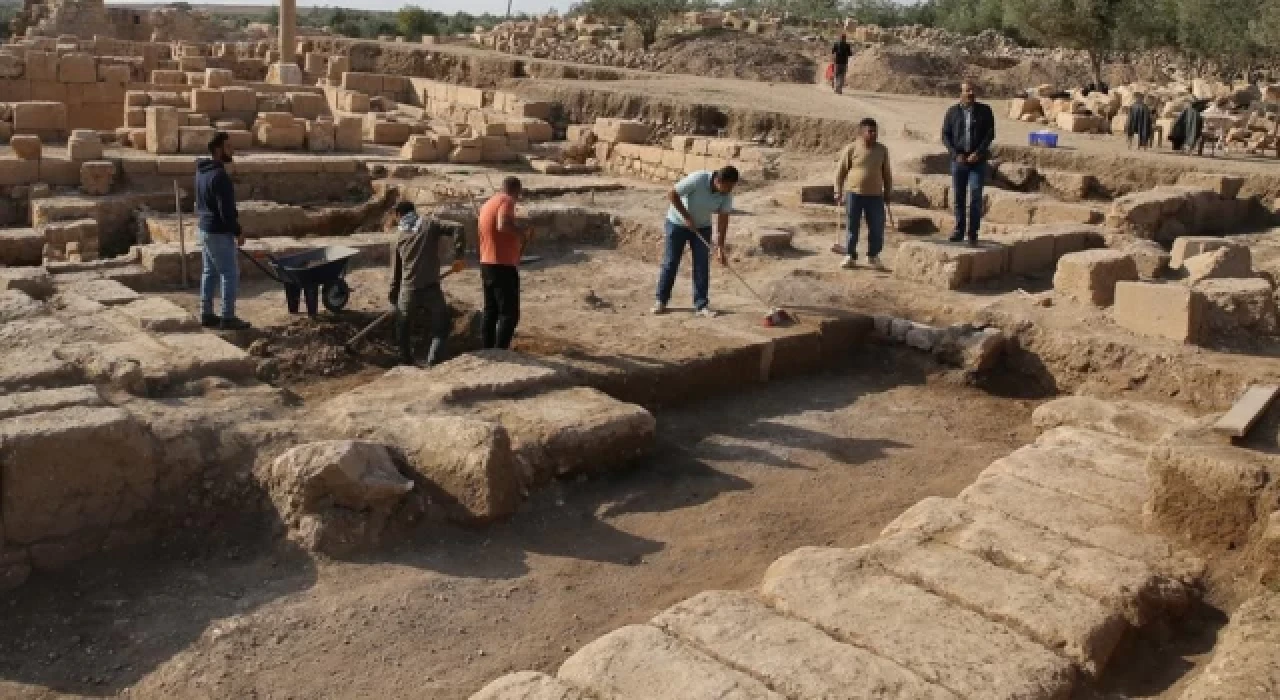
501	243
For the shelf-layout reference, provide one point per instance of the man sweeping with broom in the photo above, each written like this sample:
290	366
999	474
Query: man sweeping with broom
415	279
694	201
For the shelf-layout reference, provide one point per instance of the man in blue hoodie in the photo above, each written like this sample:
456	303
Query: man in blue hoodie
220	235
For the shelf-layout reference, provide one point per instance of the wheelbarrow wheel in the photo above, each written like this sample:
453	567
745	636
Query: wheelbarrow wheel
335	295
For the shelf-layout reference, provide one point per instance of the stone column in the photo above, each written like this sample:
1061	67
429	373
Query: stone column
287	72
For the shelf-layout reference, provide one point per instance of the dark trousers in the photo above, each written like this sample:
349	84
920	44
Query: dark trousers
673	249
967	181
873	207
411	305
501	304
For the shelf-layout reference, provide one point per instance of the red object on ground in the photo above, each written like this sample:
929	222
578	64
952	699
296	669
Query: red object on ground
831	71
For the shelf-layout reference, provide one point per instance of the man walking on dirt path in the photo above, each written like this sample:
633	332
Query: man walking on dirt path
501	244
968	131
220	235
693	202
864	167
840	54
415	279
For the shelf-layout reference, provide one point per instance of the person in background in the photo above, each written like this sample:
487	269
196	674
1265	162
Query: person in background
220	235
1140	123
1189	128
864	168
693	202
415	279
501	246
841	51
968	131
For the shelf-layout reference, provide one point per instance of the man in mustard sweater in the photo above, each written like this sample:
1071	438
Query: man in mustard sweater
863	180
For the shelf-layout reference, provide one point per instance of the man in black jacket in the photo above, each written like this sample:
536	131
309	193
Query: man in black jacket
219	234
840	53
968	131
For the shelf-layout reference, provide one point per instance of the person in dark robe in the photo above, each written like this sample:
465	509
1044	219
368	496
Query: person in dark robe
1189	127
1140	123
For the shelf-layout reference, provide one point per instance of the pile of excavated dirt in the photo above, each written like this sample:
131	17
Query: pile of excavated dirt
916	71
727	54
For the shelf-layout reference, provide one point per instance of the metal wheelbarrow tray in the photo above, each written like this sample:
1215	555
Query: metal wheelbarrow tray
323	268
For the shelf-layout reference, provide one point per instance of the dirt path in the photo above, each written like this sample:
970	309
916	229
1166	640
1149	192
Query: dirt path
735	483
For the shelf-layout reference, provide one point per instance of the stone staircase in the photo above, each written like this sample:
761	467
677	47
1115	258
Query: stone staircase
1020	588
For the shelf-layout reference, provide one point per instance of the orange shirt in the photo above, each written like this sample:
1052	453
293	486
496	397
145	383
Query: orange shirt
498	248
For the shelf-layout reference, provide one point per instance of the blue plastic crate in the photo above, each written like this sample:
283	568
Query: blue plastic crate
1044	139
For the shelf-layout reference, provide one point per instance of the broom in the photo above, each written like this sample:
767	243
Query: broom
777	316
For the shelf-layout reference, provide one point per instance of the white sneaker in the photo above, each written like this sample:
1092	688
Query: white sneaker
875	262
707	312
849	263
658	309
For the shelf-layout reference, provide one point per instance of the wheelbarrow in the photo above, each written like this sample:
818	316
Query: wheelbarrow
322	270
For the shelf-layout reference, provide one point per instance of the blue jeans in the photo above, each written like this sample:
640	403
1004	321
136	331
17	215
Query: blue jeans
967	182
856	205
220	264
673	249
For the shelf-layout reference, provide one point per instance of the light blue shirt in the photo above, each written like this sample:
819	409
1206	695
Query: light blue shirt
701	199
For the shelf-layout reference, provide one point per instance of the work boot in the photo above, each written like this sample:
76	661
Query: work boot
435	355
405	340
658	309
210	320
875	263
850	262
231	323
956	238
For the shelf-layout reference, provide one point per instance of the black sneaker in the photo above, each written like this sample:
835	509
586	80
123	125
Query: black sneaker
210	320
957	238
234	324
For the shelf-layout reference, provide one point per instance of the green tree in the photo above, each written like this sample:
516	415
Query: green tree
273	16
646	14
1094	26
413	21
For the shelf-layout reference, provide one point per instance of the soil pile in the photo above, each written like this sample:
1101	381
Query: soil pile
727	54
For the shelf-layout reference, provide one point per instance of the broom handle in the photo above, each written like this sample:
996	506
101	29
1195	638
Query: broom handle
697	234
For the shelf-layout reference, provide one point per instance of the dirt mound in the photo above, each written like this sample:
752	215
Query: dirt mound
728	54
917	71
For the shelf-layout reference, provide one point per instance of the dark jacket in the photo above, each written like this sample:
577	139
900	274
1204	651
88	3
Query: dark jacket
215	199
984	131
415	254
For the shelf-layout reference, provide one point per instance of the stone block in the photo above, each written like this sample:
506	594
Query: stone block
320	136
527	685
1149	256
851	598
193	64
349	136
1081	123
40	118
1069	186
937	264
26	147
1244	659
308	105
168	77
135	117
1170	311
215	78
353	101
159	315
621	130
1239	307
420	148
77	68
19	172
1011	207
640	661
77	470
239	99
818	194
194	139
1029	252
162	129
773	240
1229	261
20	247
386	133
60	171
84	144
206	100
96	177
1189	246
42	66
1214	495
1090	276
113	74
83	232
282	138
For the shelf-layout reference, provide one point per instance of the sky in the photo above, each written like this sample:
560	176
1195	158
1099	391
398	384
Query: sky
448	6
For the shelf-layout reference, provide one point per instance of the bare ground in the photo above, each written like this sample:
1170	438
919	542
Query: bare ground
735	483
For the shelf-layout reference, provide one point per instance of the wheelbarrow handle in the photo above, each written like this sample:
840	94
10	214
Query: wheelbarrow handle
259	265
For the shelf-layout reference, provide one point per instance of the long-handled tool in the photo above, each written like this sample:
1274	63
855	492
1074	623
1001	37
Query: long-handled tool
350	346
777	316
